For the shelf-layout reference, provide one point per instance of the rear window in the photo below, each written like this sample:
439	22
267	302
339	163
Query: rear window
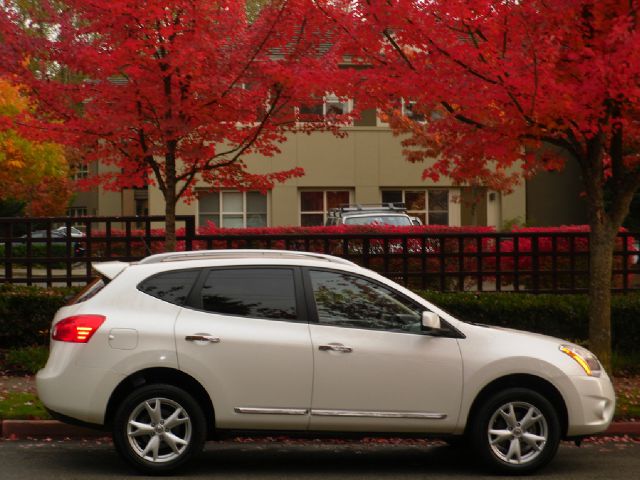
172	287
90	290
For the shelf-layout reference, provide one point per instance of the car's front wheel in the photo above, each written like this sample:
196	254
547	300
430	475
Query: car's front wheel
516	431
157	428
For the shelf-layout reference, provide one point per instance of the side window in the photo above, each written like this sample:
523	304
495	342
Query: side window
172	287
350	301
251	292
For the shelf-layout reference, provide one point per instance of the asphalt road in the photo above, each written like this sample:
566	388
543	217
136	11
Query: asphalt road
93	459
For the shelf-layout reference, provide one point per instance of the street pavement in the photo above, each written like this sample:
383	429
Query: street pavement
95	458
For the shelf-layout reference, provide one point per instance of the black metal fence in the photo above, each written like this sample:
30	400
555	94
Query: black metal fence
60	251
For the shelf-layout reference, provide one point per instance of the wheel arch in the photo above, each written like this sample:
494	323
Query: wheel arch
533	382
167	376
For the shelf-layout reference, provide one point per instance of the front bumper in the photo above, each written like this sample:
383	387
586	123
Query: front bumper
590	403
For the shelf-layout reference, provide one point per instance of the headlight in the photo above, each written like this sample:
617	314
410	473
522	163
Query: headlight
584	358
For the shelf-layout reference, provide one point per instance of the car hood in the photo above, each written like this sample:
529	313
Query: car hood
521	333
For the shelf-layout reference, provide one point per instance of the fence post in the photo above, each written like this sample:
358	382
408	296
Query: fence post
535	263
8	253
189	232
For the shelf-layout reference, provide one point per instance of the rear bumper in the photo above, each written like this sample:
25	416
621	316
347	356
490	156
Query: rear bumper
74	421
77	394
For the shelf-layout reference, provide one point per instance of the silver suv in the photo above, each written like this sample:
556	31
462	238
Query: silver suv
183	347
379	214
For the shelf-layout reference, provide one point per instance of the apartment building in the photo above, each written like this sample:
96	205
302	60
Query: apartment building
367	166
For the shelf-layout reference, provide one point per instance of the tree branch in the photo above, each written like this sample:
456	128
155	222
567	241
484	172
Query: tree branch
469	121
238	151
348	31
397	48
252	58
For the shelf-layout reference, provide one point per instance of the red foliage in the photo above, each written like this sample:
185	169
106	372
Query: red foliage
496	80
169	92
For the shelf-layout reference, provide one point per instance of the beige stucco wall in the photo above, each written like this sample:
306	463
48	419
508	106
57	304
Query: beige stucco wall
368	159
103	202
514	206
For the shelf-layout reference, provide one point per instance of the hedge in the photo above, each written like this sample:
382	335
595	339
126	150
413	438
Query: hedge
563	316
26	313
37	250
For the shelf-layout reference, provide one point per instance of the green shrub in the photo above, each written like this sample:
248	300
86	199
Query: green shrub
38	249
563	316
25	360
26	313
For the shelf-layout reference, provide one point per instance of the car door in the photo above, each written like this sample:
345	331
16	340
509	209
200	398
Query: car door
246	340
375	369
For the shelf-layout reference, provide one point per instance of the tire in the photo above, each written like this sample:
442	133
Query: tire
515	431
158	428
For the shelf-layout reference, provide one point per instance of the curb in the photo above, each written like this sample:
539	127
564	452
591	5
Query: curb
21	429
631	429
15	429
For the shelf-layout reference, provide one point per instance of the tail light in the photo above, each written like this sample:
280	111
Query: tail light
77	329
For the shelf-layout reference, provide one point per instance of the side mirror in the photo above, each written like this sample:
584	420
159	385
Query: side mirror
430	321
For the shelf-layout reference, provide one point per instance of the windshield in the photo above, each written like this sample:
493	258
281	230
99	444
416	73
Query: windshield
396	220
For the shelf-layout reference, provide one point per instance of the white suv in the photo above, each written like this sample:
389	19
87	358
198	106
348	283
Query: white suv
184	347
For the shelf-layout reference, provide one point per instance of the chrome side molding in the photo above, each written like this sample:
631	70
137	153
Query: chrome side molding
340	413
271	411
356	413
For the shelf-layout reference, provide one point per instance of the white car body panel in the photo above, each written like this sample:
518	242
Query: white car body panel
258	363
388	373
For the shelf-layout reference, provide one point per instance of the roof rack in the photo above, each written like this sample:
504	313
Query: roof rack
239	253
368	207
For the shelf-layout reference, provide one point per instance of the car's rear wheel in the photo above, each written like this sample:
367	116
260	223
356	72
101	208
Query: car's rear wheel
516	431
158	428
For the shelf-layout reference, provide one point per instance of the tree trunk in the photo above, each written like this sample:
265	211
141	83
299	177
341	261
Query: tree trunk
170	219
601	246
170	197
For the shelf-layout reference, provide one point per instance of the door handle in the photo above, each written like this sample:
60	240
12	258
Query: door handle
335	347
202	337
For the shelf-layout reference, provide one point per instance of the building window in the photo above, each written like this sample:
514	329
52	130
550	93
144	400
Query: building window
330	106
142	207
314	205
409	111
77	211
407	108
430	206
79	171
232	209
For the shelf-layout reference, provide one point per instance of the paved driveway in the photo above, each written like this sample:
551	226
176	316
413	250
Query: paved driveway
93	459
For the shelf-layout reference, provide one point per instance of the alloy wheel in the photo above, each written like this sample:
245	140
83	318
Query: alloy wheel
517	433
159	430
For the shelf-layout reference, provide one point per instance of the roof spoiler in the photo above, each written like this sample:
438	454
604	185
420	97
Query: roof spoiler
110	269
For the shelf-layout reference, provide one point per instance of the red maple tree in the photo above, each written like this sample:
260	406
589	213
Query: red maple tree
170	92
513	87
